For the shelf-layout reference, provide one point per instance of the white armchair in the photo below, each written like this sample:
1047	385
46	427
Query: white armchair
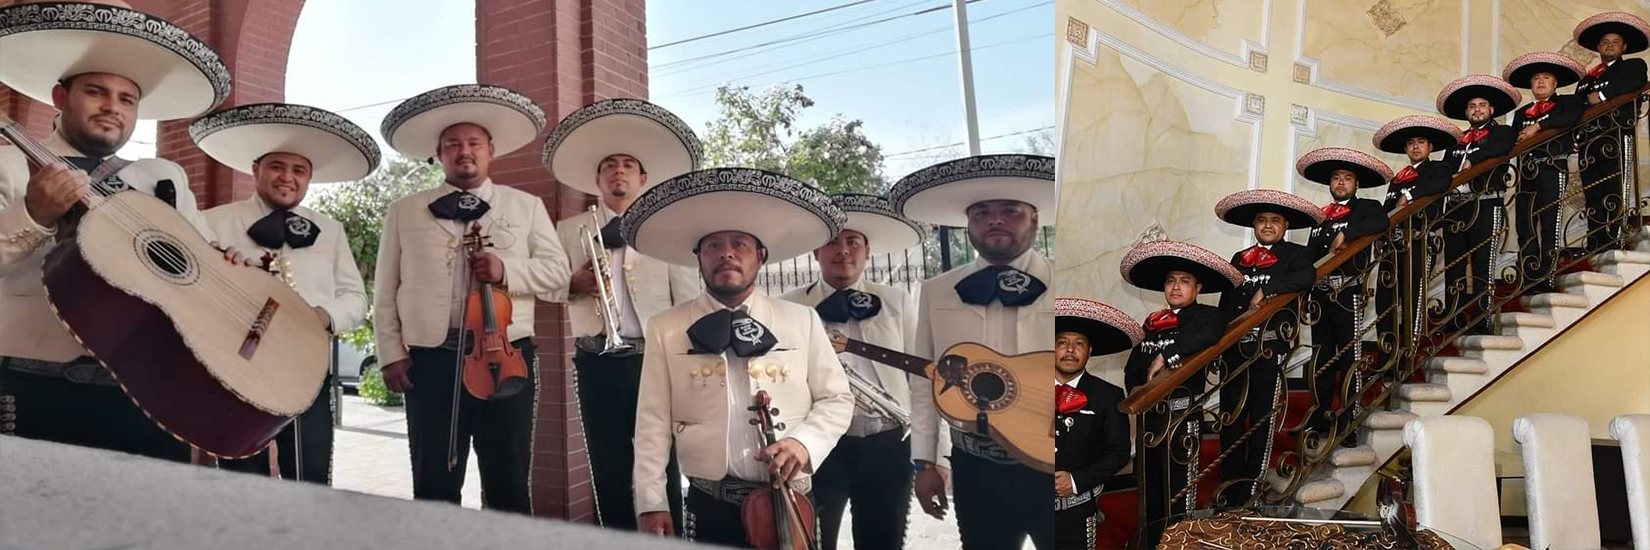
1558	481
1633	431
1454	458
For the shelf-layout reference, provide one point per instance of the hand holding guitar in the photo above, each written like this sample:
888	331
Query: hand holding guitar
53	190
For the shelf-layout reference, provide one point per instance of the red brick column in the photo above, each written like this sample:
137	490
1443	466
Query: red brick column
564	54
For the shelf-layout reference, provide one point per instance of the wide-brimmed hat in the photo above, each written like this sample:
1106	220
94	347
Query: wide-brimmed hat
414	126
1442	133
1149	263
336	148
43	43
1523	68
1108	329
1633	30
790	217
885	230
1240	208
941	194
1503	97
1319	165
664	145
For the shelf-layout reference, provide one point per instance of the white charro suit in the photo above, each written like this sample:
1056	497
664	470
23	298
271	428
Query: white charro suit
28	328
677	403
418	253
323	273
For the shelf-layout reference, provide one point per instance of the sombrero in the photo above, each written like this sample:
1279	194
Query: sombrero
337	149
415	125
886	231
1392	137
1240	208
941	194
1108	329
1148	263
665	146
790	217
1503	97
44	43
1524	67
1633	30
1318	165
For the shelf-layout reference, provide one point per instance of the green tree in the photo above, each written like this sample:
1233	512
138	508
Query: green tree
361	206
759	130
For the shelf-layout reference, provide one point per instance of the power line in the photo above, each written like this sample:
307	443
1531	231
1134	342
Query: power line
793	40
813	34
762	24
938	147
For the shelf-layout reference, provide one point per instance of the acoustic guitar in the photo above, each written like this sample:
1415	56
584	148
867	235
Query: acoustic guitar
221	356
1009	398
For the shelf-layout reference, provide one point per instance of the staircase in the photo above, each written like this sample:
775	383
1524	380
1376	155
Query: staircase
1452	380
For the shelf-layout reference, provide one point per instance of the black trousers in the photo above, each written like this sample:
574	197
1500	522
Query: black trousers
713	521
1470	227
1537	218
313	429
999	505
89	415
1406	269
1603	163
608	387
1166	469
874	473
1074	528
1257	388
1334	336
502	430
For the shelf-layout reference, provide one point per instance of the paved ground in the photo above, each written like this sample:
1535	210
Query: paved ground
371	457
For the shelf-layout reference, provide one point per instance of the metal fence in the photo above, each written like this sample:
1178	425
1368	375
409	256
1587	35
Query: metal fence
906	269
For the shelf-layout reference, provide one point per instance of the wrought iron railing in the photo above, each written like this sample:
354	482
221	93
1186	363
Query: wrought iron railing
1418	314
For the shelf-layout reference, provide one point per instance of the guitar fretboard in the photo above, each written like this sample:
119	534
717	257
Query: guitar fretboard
905	362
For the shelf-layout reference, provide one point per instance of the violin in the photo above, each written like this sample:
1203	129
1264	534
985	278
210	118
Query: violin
488	365
776	518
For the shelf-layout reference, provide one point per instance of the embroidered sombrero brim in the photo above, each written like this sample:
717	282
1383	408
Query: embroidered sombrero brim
43	43
941	194
1503	97
790	217
1319	165
1108	329
337	149
885	230
1148	264
1394	135
1240	208
415	125
1522	69
1634	31
664	144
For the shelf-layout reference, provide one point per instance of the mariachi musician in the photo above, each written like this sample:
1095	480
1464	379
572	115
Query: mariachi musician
1613	35
1091	433
615	149
711	356
1416	137
424	277
137	68
286	147
1472	212
1543	172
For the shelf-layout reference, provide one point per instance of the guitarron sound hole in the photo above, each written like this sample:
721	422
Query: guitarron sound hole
166	257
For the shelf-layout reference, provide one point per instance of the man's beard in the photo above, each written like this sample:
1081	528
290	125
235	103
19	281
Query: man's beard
89	143
1011	250
727	290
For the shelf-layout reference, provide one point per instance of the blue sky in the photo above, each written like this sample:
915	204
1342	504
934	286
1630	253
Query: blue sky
361	57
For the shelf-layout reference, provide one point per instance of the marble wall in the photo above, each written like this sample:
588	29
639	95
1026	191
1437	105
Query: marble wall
1223	25
1406	49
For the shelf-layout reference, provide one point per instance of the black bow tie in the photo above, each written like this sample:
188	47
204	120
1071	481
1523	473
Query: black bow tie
110	185
611	236
283	227
459	205
718	331
1012	287
846	304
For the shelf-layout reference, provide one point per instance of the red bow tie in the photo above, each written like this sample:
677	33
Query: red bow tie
1473	135
1597	70
1068	399
1162	320
1256	256
1408	174
1335	210
1540	107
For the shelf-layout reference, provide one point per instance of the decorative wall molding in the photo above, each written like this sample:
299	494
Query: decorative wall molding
1248	47
1316	79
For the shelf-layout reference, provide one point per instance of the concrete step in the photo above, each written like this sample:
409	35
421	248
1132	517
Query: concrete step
1534	328
1499	351
1355	456
1386	432
1457	365
1534	320
1628	265
1424	399
1597	287
1563	307
1320	490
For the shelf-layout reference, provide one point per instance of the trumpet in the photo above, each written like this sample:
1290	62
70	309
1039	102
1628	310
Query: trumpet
871	398
607	301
